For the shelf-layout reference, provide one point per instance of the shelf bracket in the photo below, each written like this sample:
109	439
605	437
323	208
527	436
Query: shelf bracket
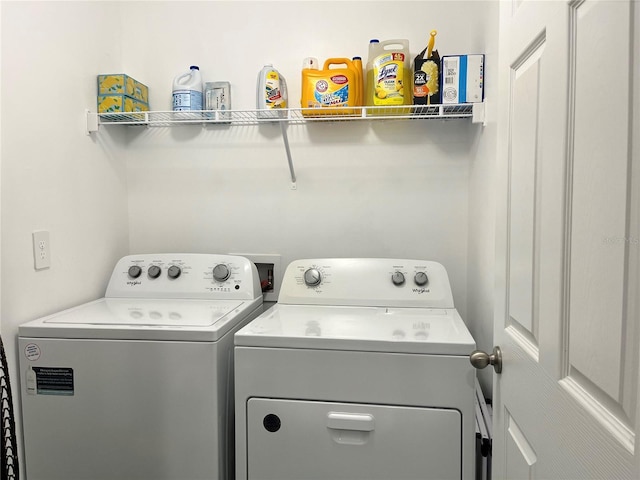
479	114
92	122
285	139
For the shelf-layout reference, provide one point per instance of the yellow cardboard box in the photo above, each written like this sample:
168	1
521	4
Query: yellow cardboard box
119	104
123	84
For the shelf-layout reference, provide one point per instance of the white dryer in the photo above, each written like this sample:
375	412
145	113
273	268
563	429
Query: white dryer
360	372
139	384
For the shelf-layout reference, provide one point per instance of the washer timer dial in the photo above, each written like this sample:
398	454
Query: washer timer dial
312	277
221	272
174	271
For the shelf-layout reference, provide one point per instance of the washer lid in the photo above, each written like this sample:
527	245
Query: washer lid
376	329
141	319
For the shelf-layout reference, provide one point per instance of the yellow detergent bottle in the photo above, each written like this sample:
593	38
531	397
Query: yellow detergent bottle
357	63
336	85
389	76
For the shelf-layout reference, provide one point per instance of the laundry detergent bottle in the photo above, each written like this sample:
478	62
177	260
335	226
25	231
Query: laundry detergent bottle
357	63
389	73
187	90
271	93
337	85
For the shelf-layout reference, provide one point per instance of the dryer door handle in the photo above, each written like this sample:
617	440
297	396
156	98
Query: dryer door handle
362	422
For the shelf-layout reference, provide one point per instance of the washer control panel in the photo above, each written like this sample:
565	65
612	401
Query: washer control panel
207	276
366	282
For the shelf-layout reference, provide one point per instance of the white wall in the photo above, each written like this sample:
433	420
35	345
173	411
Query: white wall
395	189
482	212
403	189
54	177
386	189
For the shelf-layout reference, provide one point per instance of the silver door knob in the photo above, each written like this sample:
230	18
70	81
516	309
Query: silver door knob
480	359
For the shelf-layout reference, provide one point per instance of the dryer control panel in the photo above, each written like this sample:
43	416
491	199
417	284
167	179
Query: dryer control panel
173	275
366	282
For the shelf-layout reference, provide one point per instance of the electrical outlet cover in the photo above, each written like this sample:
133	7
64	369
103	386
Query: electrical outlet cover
41	250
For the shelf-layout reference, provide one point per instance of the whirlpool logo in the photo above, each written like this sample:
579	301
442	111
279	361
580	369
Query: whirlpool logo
420	290
134	282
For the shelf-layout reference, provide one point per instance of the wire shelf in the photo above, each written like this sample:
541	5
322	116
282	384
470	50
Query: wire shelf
288	115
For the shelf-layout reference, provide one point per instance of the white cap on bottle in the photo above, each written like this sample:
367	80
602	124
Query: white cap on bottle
310	63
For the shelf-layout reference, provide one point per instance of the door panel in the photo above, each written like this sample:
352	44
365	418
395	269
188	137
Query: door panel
567	241
525	83
307	440
521	458
599	164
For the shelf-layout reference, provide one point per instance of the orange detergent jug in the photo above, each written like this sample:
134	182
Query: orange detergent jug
338	84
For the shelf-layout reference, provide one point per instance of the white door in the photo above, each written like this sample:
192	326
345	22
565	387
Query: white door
568	241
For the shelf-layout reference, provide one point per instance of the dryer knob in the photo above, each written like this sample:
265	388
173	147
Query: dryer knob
154	271
134	271
397	278
221	272
174	271
421	279
312	277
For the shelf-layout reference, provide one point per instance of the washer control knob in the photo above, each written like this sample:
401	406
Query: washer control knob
312	277
397	278
154	271
421	279
174	271
221	272
135	271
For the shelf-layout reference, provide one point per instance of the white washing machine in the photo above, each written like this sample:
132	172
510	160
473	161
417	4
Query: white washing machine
360	372
139	384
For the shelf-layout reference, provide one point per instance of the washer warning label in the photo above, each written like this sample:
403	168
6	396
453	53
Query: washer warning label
32	352
54	380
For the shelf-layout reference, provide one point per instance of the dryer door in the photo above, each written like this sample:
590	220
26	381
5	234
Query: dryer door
302	440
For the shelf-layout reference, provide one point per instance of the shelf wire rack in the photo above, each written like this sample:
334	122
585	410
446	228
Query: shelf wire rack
287	115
